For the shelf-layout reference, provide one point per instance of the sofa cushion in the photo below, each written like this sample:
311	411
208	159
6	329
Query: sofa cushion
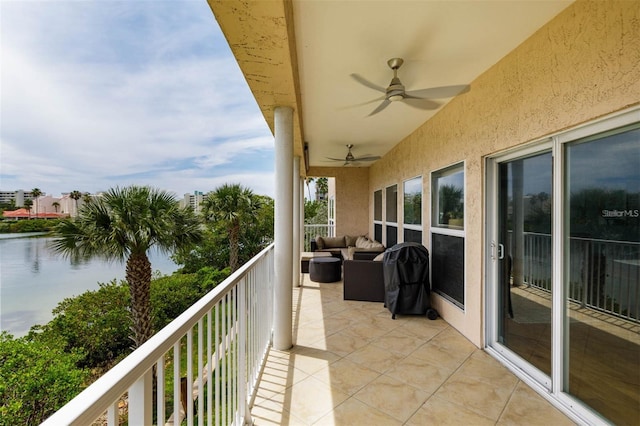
334	242
365	243
350	240
361	241
379	257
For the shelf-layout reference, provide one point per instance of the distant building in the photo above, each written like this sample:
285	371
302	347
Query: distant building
17	196
193	200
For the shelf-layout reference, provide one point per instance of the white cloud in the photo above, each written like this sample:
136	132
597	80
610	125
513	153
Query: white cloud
94	93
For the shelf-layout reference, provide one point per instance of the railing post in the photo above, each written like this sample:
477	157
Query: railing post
140	400
243	398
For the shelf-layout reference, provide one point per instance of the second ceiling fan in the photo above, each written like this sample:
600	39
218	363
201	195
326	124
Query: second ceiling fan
350	160
416	98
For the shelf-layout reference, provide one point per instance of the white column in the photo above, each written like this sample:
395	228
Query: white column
283	252
296	221
301	200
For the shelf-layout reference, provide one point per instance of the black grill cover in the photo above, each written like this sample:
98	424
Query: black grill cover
406	279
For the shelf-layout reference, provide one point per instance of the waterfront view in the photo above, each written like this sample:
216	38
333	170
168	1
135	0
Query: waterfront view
34	279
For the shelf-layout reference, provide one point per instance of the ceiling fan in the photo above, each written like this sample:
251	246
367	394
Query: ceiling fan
415	98
350	159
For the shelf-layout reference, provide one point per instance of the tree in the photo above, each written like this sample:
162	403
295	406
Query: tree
232	206
322	186
35	193
27	205
75	195
56	205
123	224
308	180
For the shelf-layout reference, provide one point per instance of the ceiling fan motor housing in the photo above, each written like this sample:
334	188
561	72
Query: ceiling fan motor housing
395	91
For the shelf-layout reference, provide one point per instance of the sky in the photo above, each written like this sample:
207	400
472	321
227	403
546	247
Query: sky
98	94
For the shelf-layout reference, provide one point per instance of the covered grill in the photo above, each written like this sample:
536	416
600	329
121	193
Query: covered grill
406	280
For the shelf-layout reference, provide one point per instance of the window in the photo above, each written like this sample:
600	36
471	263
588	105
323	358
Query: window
412	210
392	204
391	219
448	198
377	215
447	233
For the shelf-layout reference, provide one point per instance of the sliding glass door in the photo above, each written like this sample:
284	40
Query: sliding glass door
563	267
523	253
602	269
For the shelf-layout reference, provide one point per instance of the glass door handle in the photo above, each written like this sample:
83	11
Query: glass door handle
500	252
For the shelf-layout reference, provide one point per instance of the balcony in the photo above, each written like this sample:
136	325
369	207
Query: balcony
351	364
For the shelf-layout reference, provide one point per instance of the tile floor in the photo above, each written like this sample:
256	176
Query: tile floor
353	365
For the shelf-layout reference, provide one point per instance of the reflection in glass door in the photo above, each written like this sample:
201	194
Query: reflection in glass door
602	270
524	256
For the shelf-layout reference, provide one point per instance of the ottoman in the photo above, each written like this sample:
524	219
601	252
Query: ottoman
325	269
306	256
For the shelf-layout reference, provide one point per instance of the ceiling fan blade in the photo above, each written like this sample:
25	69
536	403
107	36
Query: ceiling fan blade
334	159
367	83
440	92
380	107
421	103
381	98
368	158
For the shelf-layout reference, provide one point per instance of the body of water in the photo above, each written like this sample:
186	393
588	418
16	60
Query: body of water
34	279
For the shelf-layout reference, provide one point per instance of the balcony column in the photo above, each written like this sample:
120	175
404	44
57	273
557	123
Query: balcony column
296	221
283	251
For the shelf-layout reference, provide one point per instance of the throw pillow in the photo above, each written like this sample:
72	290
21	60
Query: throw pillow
350	241
379	258
319	242
361	242
333	242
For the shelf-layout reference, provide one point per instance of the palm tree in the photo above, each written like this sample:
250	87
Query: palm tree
122	225
55	205
232	205
75	195
322	187
308	180
35	193
27	205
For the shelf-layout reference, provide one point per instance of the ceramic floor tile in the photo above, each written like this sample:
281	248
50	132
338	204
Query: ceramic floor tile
364	331
354	365
492	372
311	360
344	344
526	404
270	413
310	399
437	411
353	412
398	342
419	374
393	397
476	395
374	358
346	376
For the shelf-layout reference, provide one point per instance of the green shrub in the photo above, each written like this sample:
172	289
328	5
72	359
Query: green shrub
36	379
95	324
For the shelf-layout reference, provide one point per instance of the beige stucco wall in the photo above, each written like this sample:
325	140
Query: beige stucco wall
352	197
583	64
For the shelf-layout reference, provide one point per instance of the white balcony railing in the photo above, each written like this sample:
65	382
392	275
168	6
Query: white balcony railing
311	231
220	343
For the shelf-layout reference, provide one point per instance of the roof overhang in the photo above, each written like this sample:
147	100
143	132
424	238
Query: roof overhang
302	53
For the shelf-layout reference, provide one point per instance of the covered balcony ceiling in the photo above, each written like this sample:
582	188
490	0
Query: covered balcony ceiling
309	65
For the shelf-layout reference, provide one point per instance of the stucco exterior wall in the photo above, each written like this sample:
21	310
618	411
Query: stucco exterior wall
583	64
352	197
